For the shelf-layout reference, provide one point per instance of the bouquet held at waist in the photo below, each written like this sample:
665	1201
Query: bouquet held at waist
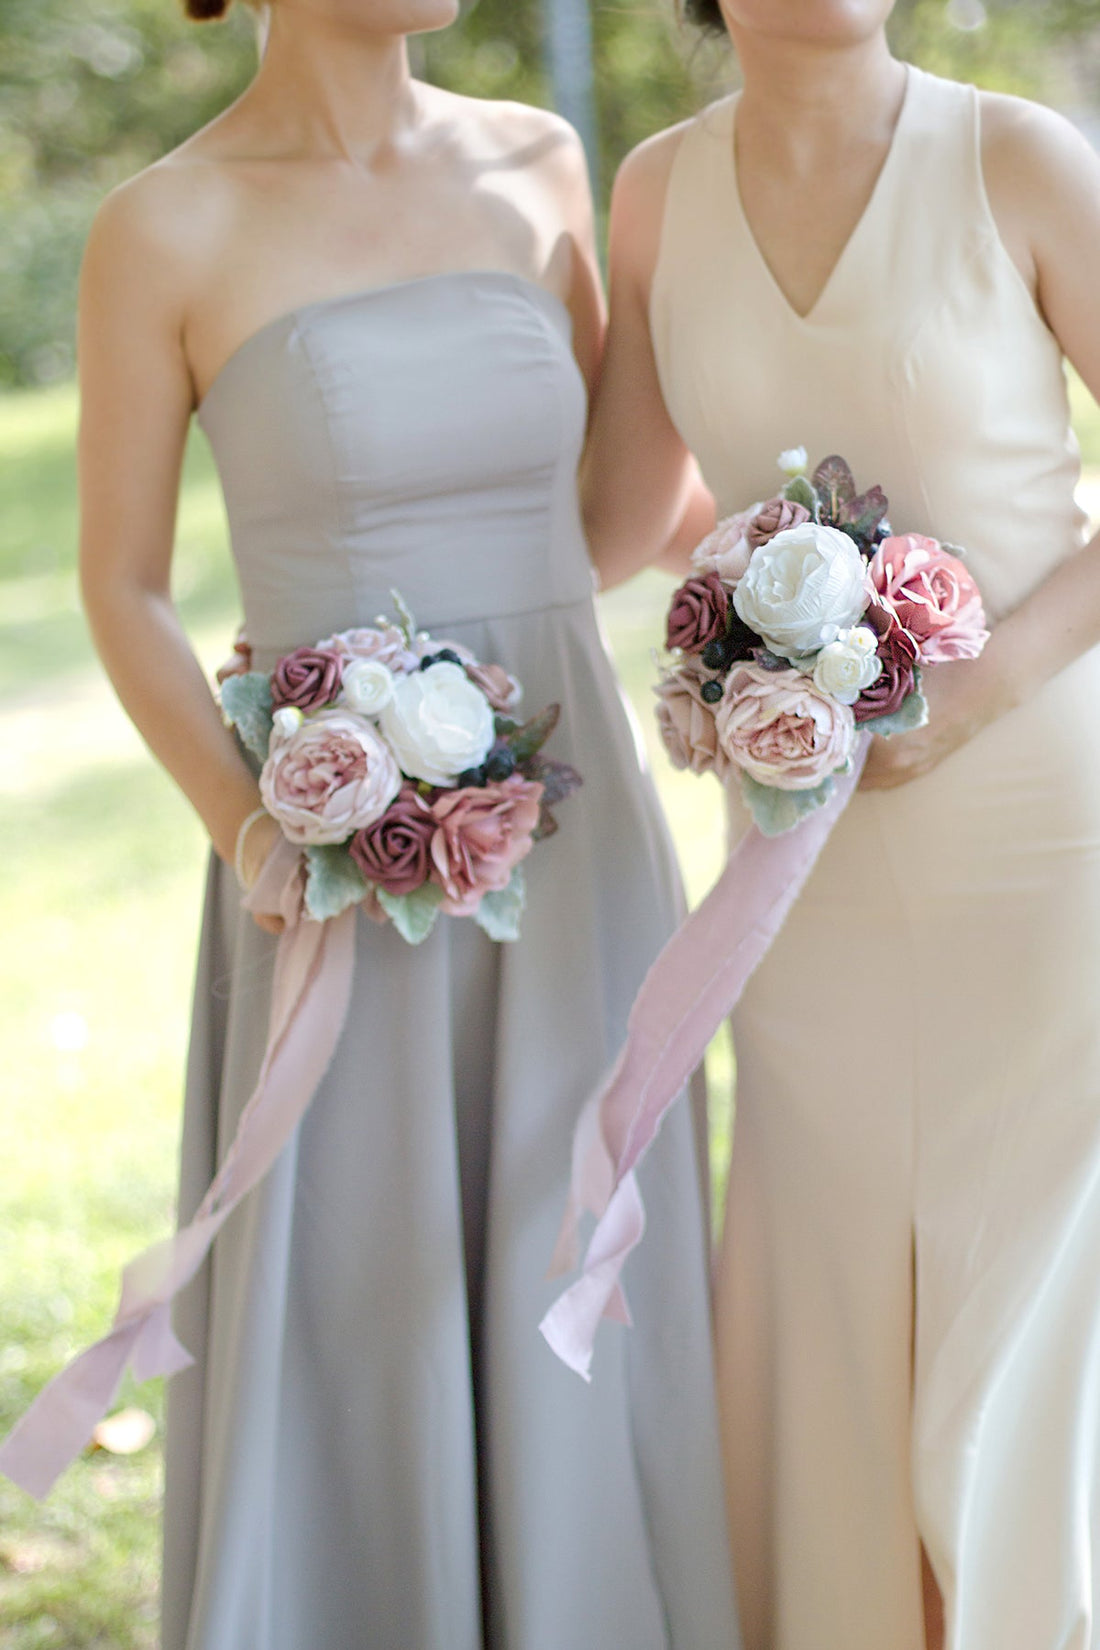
805	627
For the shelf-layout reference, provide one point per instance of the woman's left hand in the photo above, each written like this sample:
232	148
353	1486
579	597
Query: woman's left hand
963	698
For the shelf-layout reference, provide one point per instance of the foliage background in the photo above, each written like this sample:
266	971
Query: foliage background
102	859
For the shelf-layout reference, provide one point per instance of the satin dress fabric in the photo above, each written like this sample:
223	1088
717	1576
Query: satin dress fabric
909	1284
375	1449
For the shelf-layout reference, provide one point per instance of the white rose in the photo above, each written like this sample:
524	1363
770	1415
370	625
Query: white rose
802	588
286	719
848	665
793	461
367	686
438	724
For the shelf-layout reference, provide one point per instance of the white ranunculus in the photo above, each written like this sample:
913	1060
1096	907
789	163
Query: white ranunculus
802	588
438	724
845	667
286	719
793	461
367	686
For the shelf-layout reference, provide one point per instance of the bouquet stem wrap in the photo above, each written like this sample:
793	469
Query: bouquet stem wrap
696	981
314	964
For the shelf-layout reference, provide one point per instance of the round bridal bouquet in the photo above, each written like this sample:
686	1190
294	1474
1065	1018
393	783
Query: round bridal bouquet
394	762
807	618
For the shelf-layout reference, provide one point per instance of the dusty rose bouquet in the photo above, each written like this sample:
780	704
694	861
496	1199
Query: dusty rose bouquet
394	761
805	619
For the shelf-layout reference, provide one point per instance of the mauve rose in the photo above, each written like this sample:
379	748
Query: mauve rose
307	678
332	776
482	833
502	691
698	614
888	693
933	594
781	729
687	723
395	852
726	550
385	643
774	517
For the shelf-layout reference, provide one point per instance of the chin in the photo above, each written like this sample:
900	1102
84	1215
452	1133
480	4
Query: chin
385	16
823	22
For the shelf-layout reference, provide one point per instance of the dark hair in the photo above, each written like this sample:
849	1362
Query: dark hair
202	11
706	13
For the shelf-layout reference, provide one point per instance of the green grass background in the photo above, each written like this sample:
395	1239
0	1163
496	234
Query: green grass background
102	867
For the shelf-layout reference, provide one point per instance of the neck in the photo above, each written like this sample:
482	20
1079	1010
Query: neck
803	91
333	89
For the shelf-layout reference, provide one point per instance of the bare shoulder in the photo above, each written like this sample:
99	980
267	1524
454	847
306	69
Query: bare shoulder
1029	150
537	139
645	171
638	206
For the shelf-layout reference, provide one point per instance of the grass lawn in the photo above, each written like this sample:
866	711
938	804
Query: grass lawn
100	911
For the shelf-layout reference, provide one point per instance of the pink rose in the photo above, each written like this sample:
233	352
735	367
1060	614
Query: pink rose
698	613
888	692
934	596
781	729
239	662
395	851
726	551
502	691
687	722
386	644
774	517
331	776
482	833
307	678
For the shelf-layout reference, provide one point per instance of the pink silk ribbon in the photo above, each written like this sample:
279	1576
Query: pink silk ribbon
696	981
314	964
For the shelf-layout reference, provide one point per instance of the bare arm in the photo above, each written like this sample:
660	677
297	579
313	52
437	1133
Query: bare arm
136	402
643	497
1044	185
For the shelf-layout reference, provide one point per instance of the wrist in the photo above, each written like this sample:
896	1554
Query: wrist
252	845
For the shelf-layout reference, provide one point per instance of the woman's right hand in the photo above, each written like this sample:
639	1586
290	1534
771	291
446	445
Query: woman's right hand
260	838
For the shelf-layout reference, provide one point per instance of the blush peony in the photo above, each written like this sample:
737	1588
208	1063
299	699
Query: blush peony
781	729
329	777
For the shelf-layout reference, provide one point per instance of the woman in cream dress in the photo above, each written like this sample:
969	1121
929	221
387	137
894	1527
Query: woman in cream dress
862	258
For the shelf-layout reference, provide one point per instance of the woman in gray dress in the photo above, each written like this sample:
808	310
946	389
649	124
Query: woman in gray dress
382	300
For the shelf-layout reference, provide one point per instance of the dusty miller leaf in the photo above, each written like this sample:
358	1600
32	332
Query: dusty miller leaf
333	882
911	713
413	915
799	491
246	702
776	811
499	914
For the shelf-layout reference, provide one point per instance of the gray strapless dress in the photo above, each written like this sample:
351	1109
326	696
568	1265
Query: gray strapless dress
375	1450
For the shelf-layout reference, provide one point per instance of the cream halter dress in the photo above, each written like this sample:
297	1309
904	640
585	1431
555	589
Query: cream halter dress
919	1056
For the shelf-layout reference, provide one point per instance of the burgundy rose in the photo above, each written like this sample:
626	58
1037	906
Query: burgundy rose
774	517
395	852
481	834
698	614
307	678
894	641
889	692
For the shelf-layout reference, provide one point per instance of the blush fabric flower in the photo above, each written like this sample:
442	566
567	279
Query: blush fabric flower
698	613
801	588
382	642
307	679
778	515
330	777
481	834
726	550
687	722
239	662
502	691
781	729
933	594
395	852
438	723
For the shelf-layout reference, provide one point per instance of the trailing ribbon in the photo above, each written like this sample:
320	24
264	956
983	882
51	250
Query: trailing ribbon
696	981
314	964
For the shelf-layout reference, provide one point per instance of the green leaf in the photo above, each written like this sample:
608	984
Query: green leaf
413	915
500	913
799	491
405	621
246	702
911	713
525	741
333	882
776	811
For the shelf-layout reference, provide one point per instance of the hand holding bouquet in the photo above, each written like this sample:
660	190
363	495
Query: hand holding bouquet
807	618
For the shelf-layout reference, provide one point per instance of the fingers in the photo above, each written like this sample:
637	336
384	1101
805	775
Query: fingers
269	924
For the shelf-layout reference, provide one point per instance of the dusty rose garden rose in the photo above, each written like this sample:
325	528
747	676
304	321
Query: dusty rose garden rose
781	729
687	724
395	852
502	691
776	516
307	679
333	775
481	835
726	550
933	594
699	613
384	643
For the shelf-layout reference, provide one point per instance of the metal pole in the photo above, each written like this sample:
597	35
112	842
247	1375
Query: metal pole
567	34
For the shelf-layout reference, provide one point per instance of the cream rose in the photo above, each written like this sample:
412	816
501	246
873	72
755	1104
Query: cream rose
329	777
802	588
848	665
438	724
367	686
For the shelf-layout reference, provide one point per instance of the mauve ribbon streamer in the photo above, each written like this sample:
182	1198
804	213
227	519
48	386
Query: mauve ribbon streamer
314	964
694	984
